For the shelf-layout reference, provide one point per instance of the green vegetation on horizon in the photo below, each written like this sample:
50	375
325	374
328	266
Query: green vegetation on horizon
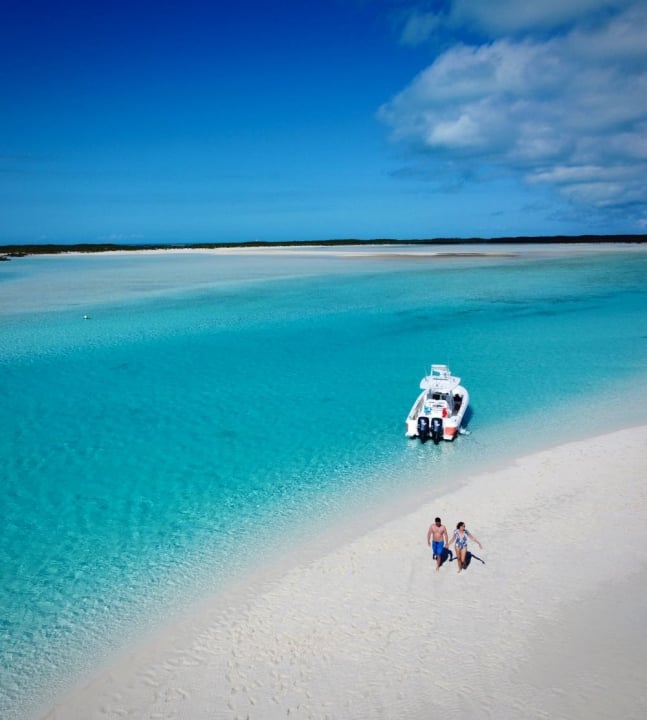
9	251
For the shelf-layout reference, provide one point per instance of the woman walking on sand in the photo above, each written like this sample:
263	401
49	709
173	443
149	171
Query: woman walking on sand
460	538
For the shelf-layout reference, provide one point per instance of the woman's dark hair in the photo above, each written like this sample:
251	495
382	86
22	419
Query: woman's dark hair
458	527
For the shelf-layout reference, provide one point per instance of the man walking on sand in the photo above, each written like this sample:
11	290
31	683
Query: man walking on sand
438	532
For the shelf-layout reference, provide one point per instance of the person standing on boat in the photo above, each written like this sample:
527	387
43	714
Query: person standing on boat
438	532
460	538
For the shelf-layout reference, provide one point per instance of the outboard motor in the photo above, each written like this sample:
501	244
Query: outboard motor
423	428
436	429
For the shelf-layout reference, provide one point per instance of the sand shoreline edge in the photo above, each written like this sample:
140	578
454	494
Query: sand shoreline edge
369	630
17	250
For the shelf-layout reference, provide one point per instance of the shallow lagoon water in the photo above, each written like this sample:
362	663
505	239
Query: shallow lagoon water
214	408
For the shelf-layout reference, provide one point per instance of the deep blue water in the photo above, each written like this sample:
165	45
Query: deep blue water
213	406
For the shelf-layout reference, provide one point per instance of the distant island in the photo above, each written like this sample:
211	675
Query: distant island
16	251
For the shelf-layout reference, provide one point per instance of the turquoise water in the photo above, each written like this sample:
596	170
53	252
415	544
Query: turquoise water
212	407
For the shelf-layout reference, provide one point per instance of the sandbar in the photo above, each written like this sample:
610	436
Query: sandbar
546	621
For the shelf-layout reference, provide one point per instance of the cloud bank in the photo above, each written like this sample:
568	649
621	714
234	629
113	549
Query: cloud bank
553	92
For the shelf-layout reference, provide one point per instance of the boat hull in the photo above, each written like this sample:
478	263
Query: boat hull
451	424
435	421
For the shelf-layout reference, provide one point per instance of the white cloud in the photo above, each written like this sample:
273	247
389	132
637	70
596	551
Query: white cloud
418	26
498	17
570	110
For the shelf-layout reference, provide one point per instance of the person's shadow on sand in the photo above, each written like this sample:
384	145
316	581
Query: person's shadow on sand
468	559
446	556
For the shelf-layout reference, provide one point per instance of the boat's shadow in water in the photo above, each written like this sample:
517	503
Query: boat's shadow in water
467	417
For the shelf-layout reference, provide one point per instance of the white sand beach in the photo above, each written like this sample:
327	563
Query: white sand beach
550	626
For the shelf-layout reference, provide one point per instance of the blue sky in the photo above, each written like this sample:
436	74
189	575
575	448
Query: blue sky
234	121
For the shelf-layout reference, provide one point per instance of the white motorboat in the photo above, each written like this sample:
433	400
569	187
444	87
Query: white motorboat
440	408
